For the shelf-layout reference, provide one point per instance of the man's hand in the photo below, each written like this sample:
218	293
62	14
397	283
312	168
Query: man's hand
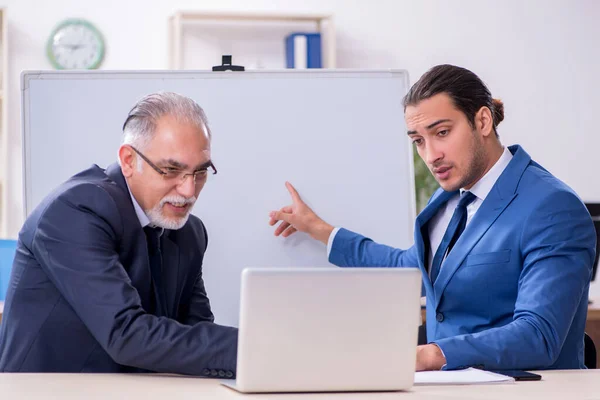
299	217
430	358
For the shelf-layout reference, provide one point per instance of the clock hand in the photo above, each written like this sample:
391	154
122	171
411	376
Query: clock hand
68	46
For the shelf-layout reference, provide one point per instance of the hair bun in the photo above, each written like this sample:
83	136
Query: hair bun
498	111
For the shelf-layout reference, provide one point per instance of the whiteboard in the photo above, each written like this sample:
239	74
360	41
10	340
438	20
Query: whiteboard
338	136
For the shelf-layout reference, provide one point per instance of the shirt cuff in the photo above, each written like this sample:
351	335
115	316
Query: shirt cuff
443	354
330	240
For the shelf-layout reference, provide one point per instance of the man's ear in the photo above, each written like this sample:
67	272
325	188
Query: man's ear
128	160
484	121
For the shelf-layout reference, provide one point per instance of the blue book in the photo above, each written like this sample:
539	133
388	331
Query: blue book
303	50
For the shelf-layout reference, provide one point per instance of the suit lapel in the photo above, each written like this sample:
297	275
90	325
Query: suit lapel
170	262
170	255
489	211
143	275
422	219
502	194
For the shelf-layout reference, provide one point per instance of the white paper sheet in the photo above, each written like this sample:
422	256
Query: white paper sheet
469	376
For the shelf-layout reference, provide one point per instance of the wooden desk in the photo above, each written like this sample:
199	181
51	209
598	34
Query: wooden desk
594	310
554	385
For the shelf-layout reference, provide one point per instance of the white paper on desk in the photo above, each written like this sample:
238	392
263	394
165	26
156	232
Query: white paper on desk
469	376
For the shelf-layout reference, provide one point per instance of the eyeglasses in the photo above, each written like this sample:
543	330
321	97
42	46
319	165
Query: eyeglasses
176	175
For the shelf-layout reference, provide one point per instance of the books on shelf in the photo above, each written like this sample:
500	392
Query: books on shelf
303	50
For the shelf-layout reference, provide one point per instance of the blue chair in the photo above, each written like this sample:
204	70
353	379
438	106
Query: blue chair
7	254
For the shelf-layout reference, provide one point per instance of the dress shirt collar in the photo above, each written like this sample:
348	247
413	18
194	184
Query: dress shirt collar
483	186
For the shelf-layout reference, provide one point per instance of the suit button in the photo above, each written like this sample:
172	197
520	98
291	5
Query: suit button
206	371
229	374
213	372
439	317
221	373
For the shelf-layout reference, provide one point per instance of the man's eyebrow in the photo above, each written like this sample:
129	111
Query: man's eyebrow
204	165
175	163
180	165
439	121
432	125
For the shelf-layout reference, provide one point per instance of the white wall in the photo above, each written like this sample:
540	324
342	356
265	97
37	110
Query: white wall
540	56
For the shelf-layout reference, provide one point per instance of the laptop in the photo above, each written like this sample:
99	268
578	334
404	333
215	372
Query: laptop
327	329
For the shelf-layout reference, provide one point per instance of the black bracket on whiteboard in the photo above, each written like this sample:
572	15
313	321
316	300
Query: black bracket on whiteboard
226	65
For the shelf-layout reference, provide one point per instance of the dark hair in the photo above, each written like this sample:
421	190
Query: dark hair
467	91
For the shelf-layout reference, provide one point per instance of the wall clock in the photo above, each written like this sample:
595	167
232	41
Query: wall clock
75	44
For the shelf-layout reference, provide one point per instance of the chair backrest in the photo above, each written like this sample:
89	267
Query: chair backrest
422	338
589	352
7	255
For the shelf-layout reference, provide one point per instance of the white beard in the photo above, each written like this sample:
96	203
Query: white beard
157	218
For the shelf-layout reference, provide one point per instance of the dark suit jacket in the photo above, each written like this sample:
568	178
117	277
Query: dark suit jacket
80	296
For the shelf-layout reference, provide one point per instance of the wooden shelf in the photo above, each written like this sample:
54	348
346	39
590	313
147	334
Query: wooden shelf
191	16
323	24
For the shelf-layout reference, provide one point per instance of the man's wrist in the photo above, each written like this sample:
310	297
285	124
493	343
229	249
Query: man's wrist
430	357
322	232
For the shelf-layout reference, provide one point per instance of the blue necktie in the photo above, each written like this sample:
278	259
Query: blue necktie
453	232
155	258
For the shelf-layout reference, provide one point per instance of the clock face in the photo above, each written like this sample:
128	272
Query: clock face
75	44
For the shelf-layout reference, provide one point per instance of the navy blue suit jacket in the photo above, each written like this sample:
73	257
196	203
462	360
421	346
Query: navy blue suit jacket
80	297
513	292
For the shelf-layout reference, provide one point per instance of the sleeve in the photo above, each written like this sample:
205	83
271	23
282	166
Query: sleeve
81	260
330	240
350	249
558	242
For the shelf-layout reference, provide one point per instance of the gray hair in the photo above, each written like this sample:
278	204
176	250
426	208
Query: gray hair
140	125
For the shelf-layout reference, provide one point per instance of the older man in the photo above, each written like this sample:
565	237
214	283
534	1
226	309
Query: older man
108	272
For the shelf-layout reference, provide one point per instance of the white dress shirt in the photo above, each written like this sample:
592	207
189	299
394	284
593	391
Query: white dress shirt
144	220
440	221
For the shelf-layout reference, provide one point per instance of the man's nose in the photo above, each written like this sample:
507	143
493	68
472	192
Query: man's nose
433	153
187	187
